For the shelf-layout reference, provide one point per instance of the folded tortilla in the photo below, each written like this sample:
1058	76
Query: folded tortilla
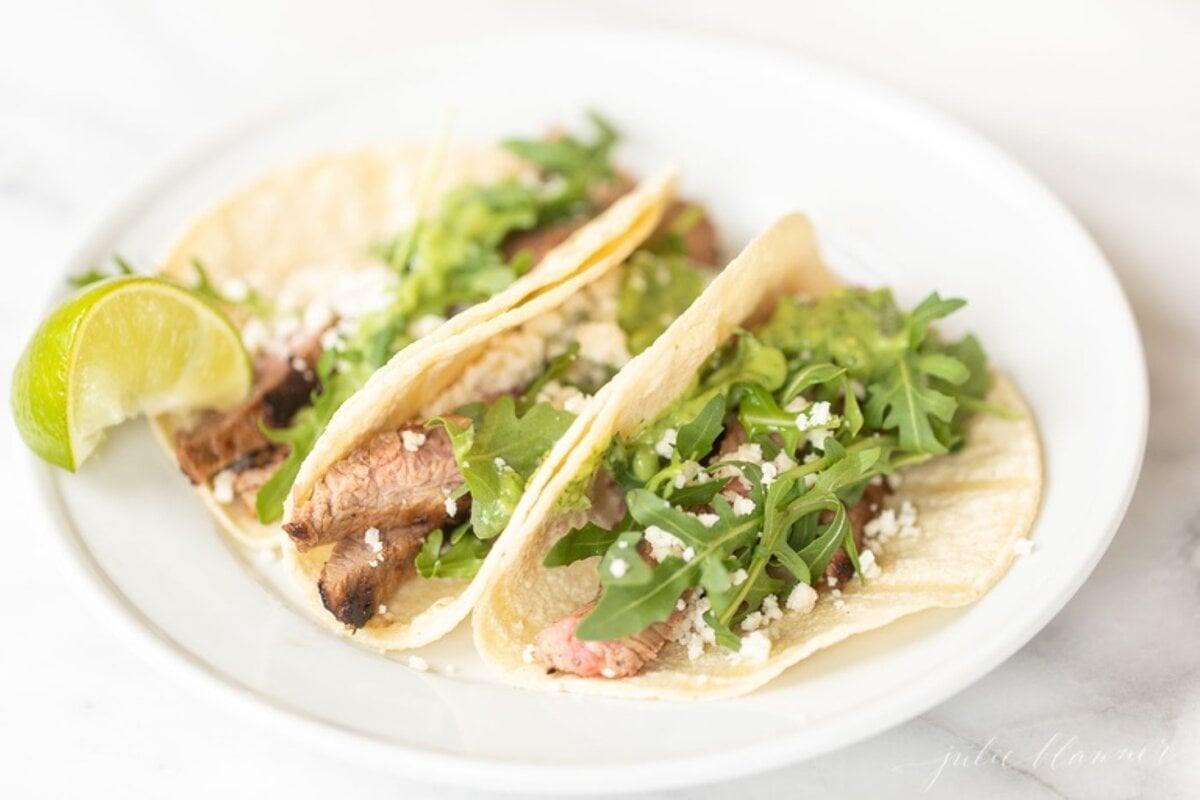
973	505
438	373
329	210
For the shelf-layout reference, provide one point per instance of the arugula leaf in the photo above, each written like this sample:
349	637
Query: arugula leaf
696	438
699	494
809	376
498	455
462	556
96	274
586	542
905	402
761	417
625	610
578	165
751	362
820	552
931	308
622	565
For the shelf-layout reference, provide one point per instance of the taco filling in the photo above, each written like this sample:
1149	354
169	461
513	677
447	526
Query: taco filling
765	486
426	499
320	336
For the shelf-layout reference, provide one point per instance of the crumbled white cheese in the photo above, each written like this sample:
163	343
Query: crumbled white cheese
738	577
802	599
663	543
756	648
299	364
412	440
222	486
743	506
527	655
870	567
371	537
608	672
424	325
1023	547
770	608
815	416
890	525
618	567
748	452
317	316
236	290
783	462
602	343
690	473
768	613
820	414
451	507
894	481
707	520
562	396
499	463
255	335
382	608
418	663
693	633
769	473
839	604
665	446
331	339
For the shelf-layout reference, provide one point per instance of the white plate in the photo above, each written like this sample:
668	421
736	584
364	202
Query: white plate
902	196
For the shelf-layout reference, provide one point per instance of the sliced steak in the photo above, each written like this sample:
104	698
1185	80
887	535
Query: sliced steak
221	438
540	241
399	478
557	648
365	570
867	508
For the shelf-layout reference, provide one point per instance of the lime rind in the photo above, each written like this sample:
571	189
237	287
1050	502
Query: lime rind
117	349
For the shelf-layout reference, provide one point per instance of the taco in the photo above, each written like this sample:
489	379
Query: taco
792	462
332	266
404	505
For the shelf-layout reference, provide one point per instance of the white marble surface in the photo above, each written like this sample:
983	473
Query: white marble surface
1099	99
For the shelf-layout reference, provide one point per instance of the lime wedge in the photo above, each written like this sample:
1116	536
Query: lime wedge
122	347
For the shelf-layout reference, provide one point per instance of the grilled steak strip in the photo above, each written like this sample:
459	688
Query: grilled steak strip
361	575
390	482
221	438
557	649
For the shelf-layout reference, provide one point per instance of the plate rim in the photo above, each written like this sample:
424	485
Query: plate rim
435	766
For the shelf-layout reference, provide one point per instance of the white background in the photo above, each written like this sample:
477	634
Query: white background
1100	99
